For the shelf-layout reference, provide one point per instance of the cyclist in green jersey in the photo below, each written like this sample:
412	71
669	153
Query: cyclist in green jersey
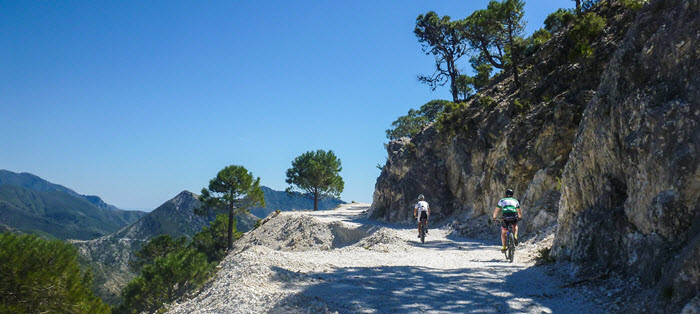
511	215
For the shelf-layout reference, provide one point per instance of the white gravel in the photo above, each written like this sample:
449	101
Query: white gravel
340	261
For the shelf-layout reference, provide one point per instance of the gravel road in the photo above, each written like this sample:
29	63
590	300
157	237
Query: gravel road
340	261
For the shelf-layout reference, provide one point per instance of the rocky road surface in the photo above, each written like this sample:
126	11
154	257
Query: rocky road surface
340	261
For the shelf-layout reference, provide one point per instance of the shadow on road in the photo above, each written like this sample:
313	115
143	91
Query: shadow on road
393	289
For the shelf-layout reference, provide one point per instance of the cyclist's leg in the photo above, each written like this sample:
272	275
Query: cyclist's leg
515	230
504	231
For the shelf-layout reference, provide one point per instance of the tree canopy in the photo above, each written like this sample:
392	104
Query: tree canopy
493	33
414	122
233	190
444	39
40	276
315	175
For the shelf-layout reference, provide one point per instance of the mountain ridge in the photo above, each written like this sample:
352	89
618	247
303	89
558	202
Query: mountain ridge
32	204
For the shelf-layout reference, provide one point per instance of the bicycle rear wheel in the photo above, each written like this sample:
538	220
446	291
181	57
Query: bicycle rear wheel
422	232
511	247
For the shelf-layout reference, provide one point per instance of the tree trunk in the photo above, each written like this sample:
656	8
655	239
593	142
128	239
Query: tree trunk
578	6
316	201
513	54
230	225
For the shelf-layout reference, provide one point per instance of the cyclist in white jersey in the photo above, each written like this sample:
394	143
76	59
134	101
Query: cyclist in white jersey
422	212
511	215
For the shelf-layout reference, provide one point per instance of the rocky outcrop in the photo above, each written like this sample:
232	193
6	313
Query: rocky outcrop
632	183
606	147
499	146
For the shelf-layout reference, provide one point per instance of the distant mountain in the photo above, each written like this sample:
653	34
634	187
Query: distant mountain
32	182
31	204
280	200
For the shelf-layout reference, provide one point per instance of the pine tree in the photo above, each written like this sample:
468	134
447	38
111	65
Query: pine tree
39	276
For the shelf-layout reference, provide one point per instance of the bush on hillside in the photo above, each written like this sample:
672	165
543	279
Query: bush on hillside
40	276
414	122
159	246
165	280
171	268
212	240
634	4
558	20
585	30
451	120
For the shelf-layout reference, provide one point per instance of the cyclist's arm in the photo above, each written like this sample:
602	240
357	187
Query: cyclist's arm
428	209
520	213
495	212
415	210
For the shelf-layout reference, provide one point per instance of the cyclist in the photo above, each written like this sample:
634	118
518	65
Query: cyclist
511	215
423	209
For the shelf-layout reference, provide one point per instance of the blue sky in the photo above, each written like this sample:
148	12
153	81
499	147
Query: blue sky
136	101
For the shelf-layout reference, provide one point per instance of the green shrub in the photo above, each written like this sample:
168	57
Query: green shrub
451	119
585	30
213	240
634	4
170	268
483	72
521	105
40	276
414	122
558	20
539	37
486	101
407	126
165	280
159	246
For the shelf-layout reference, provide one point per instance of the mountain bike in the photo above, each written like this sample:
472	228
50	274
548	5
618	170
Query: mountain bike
423	230
510	242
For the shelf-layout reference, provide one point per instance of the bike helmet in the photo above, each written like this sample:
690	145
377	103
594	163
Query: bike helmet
421	197
509	193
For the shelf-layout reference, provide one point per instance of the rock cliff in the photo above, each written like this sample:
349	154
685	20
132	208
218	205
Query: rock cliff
605	147
632	182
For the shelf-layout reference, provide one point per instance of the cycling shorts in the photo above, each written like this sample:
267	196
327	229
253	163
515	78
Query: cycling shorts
423	215
509	219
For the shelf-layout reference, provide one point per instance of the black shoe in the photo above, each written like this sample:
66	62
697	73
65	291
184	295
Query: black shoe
418	236
503	250
426	231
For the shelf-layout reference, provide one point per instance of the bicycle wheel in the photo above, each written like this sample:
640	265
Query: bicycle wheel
511	247
422	232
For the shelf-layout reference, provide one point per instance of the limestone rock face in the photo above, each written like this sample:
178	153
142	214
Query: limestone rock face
606	148
466	170
631	186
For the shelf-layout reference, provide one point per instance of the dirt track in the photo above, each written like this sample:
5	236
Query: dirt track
340	261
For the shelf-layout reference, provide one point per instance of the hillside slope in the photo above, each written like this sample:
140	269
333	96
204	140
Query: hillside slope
57	214
605	148
109	256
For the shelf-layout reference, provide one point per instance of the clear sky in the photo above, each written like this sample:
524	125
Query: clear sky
136	101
